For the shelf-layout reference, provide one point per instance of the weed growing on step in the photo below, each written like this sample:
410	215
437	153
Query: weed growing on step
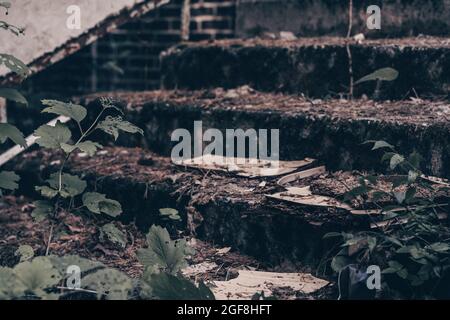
412	242
380	75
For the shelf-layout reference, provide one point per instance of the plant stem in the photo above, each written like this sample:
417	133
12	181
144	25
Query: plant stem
83	136
349	52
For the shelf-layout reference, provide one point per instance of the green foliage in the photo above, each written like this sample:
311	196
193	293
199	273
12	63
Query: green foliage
41	277
53	137
112	126
13	95
65	185
98	203
113	234
42	210
88	147
14	64
62	185
9	286
384	74
36	276
109	283
414	245
8	131
8	181
169	287
162	252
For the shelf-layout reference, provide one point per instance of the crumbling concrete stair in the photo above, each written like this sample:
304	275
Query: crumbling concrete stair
316	67
220	208
332	131
308	18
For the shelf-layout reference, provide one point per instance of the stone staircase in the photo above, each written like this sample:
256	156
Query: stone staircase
299	87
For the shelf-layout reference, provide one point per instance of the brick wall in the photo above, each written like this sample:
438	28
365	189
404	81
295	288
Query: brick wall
128	58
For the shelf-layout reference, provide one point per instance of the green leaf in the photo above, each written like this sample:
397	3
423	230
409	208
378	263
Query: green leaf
395	161
111	283
384	74
415	159
42	210
52	137
62	263
170	213
5	4
339	262
162	251
395	265
37	275
400	196
112	126
71	185
13	95
89	147
412	176
47	192
25	253
169	287
114	234
8	131
372	243
332	235
73	111
14	64
382	144
98	203
9	180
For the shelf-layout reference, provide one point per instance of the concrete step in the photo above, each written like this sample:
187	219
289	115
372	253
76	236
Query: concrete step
315	67
220	208
332	131
309	18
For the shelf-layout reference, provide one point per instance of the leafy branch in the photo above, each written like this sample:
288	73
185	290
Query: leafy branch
64	187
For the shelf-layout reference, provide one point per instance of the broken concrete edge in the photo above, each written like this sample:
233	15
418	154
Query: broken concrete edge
223	209
73	45
332	131
316	67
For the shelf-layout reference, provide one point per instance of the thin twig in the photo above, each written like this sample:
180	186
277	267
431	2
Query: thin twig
349	52
49	240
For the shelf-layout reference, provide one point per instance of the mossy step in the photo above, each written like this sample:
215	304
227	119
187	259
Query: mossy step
315	67
332	131
399	18
220	208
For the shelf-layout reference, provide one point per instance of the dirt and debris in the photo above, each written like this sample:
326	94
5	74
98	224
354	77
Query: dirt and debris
79	235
